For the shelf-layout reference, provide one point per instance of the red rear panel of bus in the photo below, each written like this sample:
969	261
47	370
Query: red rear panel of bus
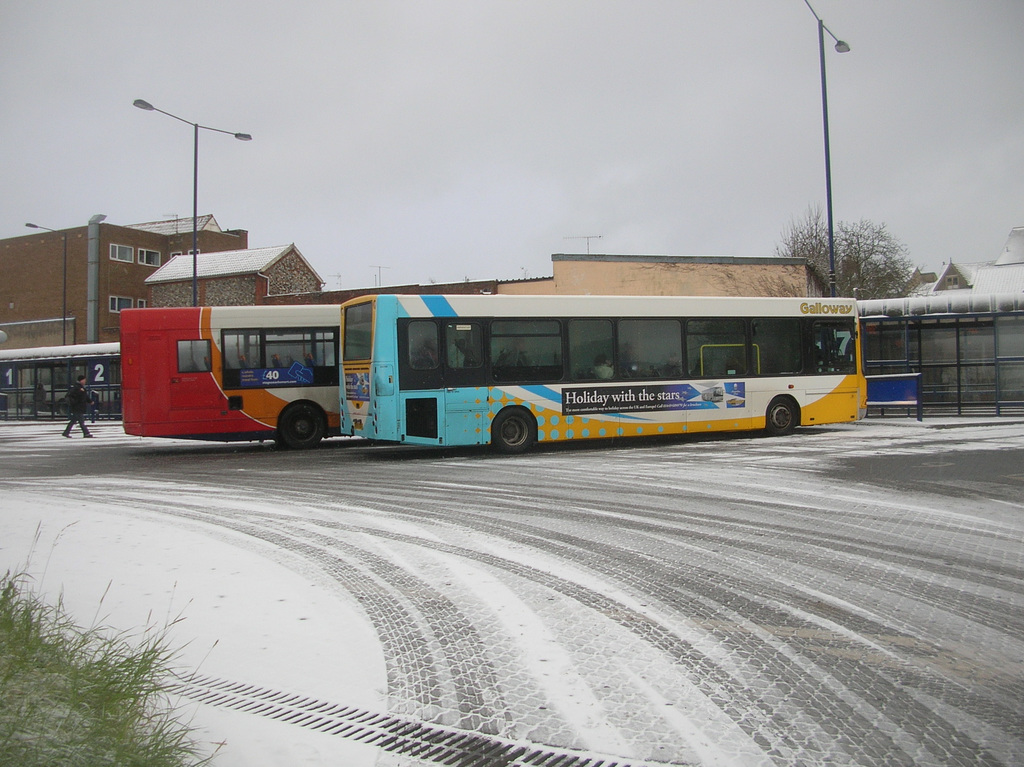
159	401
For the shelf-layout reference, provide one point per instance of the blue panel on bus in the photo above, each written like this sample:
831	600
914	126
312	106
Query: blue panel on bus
260	378
546	392
439	306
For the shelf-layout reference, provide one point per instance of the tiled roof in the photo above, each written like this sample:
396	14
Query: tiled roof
179	225
220	264
999	279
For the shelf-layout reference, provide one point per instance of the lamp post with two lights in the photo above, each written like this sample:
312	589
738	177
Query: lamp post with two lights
196	127
841	47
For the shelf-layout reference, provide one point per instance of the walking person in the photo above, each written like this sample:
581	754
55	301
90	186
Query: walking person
39	399
78	401
94	404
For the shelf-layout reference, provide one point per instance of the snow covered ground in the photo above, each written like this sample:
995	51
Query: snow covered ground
235	614
129	547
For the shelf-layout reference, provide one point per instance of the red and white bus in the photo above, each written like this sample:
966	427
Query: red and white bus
232	373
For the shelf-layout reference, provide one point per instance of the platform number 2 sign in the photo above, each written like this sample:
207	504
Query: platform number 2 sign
99	372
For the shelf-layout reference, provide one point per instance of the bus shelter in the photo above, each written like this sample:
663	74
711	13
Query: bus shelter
34	383
968	349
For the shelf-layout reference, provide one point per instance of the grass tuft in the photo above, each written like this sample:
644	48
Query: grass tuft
70	696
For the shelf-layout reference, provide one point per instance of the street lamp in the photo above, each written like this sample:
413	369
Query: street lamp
841	47
64	302
195	184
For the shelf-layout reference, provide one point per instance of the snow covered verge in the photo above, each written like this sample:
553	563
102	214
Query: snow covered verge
228	612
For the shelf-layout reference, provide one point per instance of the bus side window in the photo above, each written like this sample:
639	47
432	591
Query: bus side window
241	349
422	345
464	345
650	348
526	350
777	343
194	356
590	350
716	348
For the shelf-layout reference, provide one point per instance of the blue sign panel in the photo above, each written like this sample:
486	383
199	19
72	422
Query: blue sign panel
632	399
266	378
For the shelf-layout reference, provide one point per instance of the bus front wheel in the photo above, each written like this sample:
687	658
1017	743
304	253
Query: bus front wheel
513	430
301	426
782	417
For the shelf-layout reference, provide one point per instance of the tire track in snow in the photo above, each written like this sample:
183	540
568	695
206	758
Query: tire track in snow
794	712
856	626
757	586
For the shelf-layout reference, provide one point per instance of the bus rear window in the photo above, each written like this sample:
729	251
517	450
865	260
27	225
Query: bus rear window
358	331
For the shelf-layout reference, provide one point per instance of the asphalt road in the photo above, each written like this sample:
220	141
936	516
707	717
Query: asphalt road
843	596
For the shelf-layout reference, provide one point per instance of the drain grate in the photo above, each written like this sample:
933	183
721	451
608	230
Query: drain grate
406	737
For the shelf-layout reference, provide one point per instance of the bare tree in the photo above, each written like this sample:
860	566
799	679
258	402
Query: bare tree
870	261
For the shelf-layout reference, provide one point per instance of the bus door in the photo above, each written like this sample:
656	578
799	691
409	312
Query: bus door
154	393
442	398
465	395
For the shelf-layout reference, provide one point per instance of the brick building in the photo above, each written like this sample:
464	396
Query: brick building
106	271
626	275
620	275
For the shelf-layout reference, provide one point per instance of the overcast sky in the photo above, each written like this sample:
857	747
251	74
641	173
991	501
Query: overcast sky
437	140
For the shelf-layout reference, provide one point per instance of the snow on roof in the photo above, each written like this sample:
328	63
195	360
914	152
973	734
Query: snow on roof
1013	251
179	225
71	350
996	278
944	302
220	263
967	271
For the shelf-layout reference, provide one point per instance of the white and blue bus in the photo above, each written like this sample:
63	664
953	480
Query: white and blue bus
514	370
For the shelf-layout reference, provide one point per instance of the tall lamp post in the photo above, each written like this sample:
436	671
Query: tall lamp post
195	184
64	301
841	47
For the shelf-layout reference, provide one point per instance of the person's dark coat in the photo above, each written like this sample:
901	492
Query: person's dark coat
78	399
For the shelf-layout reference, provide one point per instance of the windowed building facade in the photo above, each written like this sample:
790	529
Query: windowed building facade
70	285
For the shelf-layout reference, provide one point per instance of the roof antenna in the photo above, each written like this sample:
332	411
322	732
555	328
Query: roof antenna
379	268
587	237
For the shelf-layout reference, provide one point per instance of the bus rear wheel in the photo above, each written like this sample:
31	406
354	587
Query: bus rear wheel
513	430
782	417
301	426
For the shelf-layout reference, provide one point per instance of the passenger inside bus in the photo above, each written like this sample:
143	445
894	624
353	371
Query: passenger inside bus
514	355
424	356
461	354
